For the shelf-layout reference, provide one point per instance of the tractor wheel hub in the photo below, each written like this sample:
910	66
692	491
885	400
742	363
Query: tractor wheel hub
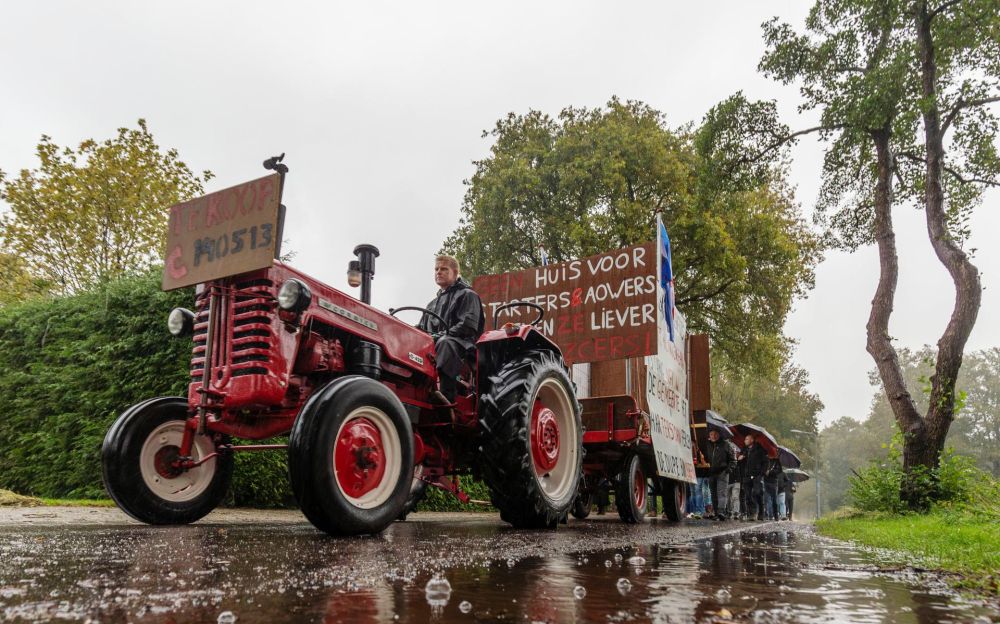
544	438
359	458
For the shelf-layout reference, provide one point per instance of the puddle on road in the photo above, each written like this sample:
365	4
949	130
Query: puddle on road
211	574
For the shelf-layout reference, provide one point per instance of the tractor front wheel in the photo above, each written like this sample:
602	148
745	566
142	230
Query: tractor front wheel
532	440
138	457
350	457
630	490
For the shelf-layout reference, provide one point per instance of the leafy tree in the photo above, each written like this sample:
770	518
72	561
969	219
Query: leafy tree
16	283
592	180
903	89
97	212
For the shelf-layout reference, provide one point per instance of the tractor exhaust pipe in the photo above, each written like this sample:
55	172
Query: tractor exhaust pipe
363	268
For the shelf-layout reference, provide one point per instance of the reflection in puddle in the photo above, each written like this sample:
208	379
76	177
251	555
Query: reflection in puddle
209	574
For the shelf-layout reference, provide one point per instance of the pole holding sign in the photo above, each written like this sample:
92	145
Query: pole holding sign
224	233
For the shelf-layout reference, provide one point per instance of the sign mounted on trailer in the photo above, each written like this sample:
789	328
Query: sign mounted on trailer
597	308
667	398
224	233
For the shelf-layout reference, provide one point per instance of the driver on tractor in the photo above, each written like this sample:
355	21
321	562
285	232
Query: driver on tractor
462	311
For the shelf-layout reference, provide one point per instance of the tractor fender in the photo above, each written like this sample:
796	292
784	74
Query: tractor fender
497	346
526	334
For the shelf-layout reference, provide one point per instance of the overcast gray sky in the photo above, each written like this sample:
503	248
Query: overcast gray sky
380	108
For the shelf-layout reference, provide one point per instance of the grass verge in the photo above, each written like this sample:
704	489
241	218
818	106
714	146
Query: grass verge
11	499
961	543
78	502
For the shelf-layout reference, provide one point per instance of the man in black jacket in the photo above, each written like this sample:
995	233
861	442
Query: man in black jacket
717	454
462	311
756	465
772	474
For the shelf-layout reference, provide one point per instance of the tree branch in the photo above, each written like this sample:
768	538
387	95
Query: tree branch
710	295
952	172
778	143
942	8
962	105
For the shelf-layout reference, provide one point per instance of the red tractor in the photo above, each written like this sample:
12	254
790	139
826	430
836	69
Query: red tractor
277	353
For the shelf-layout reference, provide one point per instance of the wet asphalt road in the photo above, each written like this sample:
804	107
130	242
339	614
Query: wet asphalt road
94	565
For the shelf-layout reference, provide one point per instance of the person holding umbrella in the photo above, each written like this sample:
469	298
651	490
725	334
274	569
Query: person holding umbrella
788	461
792	476
771	474
756	465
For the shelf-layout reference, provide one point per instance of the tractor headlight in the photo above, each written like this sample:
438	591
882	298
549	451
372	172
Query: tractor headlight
294	296
180	322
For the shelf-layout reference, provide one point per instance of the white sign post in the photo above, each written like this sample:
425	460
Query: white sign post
667	396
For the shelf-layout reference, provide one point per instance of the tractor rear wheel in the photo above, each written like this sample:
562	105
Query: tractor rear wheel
350	457
137	457
674	499
532	440
630	490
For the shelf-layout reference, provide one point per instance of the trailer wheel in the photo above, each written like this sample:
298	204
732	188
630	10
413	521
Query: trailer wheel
532	440
136	465
418	489
350	457
674	499
630	490
583	505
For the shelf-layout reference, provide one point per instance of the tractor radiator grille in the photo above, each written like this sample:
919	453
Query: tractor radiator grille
241	333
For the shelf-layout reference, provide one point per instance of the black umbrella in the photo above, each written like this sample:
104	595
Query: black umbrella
796	475
718	423
788	459
764	438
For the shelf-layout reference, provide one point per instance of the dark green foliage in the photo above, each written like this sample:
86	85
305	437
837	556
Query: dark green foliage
439	500
69	366
261	479
876	488
851	444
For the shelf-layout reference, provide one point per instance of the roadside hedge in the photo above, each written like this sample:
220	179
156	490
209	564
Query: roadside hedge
69	366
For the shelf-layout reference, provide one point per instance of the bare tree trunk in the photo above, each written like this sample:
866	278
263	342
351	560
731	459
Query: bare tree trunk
879	342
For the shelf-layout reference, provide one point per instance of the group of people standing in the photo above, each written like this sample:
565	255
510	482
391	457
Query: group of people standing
740	483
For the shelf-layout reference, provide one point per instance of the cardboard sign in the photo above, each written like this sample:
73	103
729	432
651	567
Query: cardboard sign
667	399
597	308
224	233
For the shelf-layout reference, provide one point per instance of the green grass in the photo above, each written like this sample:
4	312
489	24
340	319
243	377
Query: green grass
963	544
78	502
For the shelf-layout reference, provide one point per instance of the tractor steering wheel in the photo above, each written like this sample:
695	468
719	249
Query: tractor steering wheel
519	304
393	311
